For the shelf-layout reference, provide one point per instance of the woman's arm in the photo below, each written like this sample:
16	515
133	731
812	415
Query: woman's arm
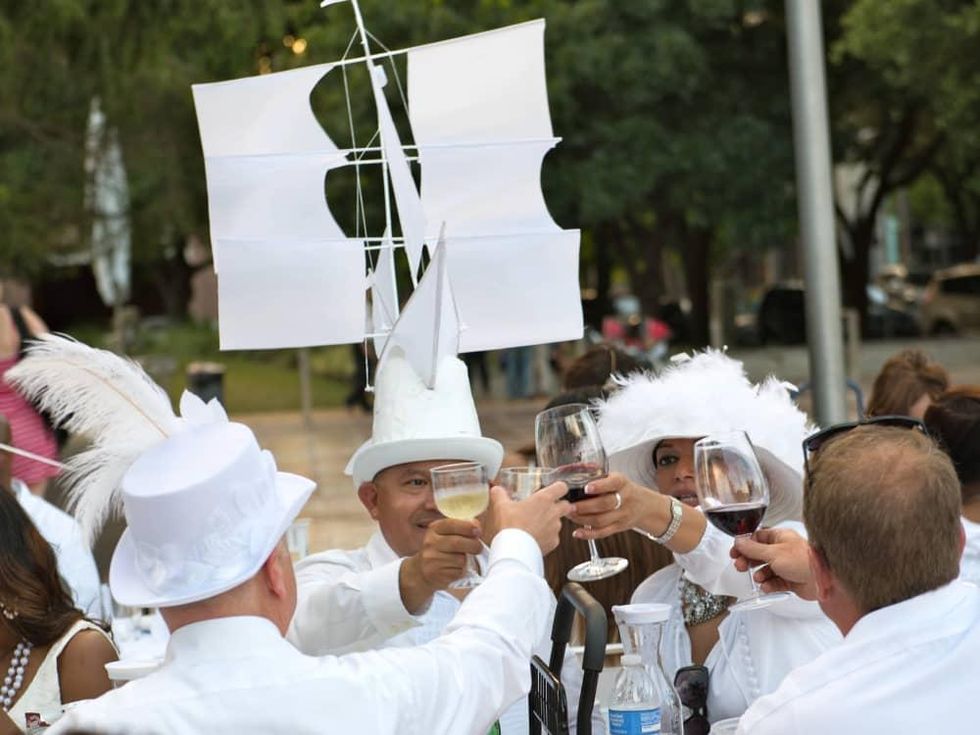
81	666
35	325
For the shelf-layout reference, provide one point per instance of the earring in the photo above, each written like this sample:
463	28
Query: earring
7	612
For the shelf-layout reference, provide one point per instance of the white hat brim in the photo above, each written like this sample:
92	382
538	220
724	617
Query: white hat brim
785	484
129	588
371	458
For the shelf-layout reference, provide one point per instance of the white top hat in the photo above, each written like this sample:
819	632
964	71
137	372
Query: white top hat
205	508
413	423
702	395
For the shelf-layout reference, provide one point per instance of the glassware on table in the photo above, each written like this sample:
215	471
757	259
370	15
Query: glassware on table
462	491
567	440
521	482
734	495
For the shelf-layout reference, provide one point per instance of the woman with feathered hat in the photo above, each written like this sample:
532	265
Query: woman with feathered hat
649	428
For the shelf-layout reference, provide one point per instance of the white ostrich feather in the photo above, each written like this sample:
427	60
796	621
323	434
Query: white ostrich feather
101	395
705	394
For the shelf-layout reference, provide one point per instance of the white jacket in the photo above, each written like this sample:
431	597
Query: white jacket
238	675
756	649
908	668
970	562
350	601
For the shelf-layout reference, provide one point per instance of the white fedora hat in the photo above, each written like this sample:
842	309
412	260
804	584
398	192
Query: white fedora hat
413	423
702	395
205	508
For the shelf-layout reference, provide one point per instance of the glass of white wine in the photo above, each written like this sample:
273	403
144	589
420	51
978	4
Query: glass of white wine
521	482
462	491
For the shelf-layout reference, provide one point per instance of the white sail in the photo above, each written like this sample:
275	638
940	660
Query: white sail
287	274
479	112
425	343
384	296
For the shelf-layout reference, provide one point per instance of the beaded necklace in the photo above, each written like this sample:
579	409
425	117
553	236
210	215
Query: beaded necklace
699	605
15	674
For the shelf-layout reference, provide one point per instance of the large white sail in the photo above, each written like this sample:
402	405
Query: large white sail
287	275
479	112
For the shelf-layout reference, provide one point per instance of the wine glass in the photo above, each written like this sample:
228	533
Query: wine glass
734	495
461	491
520	482
567	439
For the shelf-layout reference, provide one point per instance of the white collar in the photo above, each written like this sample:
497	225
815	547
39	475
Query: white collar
210	640
929	612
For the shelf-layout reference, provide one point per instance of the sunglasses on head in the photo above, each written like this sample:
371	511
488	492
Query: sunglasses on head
813	443
691	683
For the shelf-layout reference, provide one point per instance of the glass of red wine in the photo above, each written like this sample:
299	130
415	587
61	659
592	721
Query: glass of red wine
567	440
734	495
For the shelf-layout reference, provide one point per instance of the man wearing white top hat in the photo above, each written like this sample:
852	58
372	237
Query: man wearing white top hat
206	511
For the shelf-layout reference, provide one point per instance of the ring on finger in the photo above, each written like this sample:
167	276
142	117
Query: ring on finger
619	501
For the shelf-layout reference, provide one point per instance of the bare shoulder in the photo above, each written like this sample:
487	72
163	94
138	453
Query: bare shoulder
81	666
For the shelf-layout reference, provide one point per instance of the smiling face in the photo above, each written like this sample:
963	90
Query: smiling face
400	500
673	464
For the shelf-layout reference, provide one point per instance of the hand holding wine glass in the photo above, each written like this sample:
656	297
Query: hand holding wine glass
567	440
733	494
461	491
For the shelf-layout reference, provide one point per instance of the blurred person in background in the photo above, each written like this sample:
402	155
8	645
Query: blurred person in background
597	366
954	422
908	382
30	430
55	655
75	561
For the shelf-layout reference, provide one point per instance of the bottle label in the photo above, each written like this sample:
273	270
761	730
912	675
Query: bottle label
634	721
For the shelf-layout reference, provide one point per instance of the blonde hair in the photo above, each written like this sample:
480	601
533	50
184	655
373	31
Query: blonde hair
904	379
882	507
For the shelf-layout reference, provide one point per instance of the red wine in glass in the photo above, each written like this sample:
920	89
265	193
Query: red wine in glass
741	519
577	476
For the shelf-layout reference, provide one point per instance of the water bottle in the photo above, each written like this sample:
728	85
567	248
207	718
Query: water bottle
635	705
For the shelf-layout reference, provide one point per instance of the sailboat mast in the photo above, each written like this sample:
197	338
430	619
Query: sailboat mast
369	61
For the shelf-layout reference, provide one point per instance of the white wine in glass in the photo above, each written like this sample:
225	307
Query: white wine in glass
461	491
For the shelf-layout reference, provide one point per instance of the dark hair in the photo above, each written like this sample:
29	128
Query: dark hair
595	366
904	379
645	558
30	585
954	421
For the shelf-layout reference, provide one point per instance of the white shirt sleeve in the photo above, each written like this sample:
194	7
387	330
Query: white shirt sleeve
343	605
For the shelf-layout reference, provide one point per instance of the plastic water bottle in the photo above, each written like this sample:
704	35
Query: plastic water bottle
635	705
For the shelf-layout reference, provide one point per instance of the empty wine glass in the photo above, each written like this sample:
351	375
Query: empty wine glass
520	482
734	495
567	440
461	491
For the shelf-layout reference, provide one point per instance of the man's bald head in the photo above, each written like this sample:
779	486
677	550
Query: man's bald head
882	508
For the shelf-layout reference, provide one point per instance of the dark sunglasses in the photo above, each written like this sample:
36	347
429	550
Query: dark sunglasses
691	683
813	443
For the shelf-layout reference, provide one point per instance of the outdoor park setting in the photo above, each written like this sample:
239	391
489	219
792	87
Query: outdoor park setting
367	235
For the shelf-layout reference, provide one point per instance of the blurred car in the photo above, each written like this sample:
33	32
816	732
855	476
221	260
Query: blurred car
781	318
951	302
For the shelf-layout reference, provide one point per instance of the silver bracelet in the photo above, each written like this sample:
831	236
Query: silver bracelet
676	515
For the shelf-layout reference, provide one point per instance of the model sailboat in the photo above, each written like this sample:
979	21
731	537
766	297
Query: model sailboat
288	276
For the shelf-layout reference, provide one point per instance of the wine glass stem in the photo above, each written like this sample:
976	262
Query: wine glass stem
756	592
594	557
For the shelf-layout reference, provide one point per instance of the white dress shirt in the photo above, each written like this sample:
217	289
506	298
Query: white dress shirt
907	668
350	601
755	649
76	565
970	562
238	675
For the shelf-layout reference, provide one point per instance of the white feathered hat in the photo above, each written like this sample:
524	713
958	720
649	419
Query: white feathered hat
705	394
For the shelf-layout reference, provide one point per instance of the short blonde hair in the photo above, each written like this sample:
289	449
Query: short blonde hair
882	507
904	379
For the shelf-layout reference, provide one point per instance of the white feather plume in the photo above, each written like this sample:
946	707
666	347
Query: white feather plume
109	399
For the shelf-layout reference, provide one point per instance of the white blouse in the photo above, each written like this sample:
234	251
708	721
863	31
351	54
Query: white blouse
755	649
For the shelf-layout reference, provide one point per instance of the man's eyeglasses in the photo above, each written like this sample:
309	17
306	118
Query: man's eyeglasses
813	443
691	683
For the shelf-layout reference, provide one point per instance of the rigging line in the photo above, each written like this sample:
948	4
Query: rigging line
353	139
394	71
